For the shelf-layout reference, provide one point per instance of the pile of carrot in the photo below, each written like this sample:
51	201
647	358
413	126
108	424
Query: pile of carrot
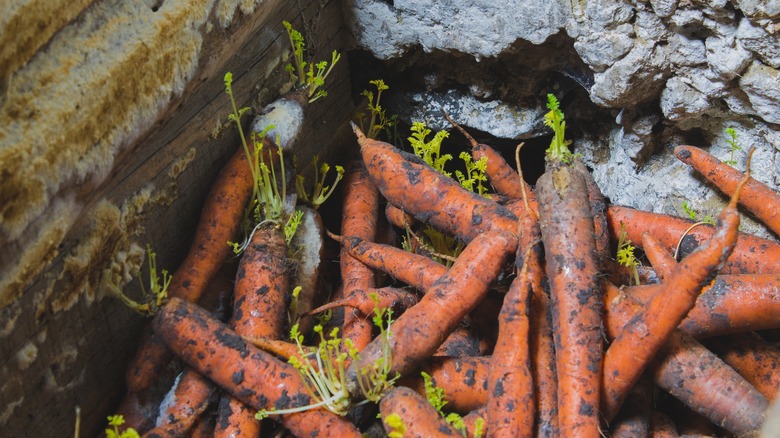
534	330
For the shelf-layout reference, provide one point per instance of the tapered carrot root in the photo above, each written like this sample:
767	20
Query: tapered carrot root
250	375
755	359
189	397
236	419
430	196
415	270
396	217
219	223
387	297
420	419
758	198
451	298
510	404
567	233
463	379
640	339
699	379
752	255
359	218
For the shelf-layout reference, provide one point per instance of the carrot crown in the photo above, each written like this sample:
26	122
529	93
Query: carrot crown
558	150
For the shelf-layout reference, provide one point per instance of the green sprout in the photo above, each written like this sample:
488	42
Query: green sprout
113	432
396	425
429	151
692	214
378	121
479	427
625	253
294	303
733	143
320	192
313	78
558	150
475	178
437	398
157	295
324	370
269	198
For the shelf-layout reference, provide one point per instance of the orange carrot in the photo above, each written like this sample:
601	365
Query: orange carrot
140	410
232	424
752	254
397	217
640	339
759	198
662	426
470	422
510	404
359	299
567	232
755	359
250	375
429	196
463	342
203	428
415	270
219	223
359	218
189	397
419	418
502	176
633	420
463	379
421	329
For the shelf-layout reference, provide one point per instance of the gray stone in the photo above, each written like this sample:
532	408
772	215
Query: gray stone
684	51
634	79
663	8
758	40
761	84
759	8
726	56
679	100
649	26
602	49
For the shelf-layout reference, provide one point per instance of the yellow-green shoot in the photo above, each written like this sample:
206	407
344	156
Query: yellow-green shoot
396	426
437	398
115	421
733	144
311	79
378	120
321	192
625	254
152	300
559	147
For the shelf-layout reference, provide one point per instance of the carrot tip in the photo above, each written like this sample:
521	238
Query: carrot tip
360	136
745	179
334	236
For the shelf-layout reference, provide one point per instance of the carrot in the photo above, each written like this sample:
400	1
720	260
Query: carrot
502	177
762	201
415	270
204	427
421	329
598	209
140	410
640	339
359	218
470	421
662	426
567	232
397	217
219	222
359	299
755	359
699	379
186	401
693	374
250	375
233	424
419	418
463	342
429	196
752	254
633	420
463	379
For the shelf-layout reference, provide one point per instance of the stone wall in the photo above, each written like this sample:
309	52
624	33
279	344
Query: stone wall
635	77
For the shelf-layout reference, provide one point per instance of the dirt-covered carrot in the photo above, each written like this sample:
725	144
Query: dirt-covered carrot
634	418
431	197
189	397
463	380
417	417
219	222
699	379
755	359
364	301
510	404
251	375
415	270
417	333
752	254
640	339
762	201
661	426
235	424
359	218
397	217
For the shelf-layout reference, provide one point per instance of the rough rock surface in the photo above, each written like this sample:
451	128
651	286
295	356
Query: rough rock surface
656	72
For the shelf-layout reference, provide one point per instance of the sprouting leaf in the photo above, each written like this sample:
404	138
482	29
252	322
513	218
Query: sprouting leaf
396	425
558	150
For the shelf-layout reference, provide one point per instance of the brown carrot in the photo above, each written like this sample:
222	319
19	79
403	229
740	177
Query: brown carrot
219	223
568	236
429	196
661	426
758	198
251	375
640	339
437	314
751	255
510	404
419	418
755	359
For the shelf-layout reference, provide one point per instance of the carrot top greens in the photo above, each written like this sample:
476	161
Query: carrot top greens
152	300
312	79
558	150
113	432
